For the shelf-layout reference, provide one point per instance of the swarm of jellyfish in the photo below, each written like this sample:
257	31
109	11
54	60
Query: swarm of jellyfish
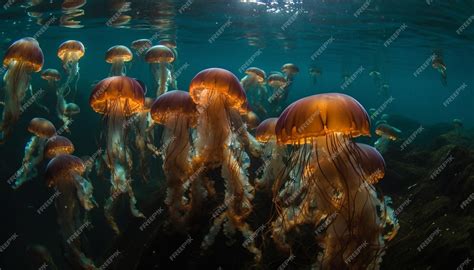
21	59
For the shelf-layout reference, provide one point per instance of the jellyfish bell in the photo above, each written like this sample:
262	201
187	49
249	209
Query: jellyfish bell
277	81
52	76
41	128
158	57
21	59
71	109
68	5
388	131
58	145
141	46
372	163
290	70
118	98
265	131
117	56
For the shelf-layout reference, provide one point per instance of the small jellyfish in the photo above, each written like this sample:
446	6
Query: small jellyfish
52	76
58	145
438	64
21	59
140	46
64	173
117	56
171	44
251	119
278	83
118	98
177	112
290	70
158	57
70	52
387	133
218	94
41	129
315	73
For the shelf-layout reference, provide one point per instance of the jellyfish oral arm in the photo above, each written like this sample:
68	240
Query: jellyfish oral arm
84	192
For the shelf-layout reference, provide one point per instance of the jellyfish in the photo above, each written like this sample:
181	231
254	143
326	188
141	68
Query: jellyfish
251	119
118	98
21	59
64	173
66	110
290	70
438	64
38	256
70	52
41	129
315	72
52	76
159	56
254	84
177	112
117	56
171	44
144	137
140	46
278	83
387	133
58	145
273	154
330	169
217	92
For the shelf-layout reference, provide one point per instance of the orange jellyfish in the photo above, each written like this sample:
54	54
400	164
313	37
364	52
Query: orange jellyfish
70	52
117	56
52	76
171	44
64	173
140	46
335	195
118	98
290	70
21	59
273	154
251	119
159	56
41	129
58	145
387	133
217	93
254	84
177	112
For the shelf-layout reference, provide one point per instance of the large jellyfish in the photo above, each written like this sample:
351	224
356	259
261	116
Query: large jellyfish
41	129
64	173
273	154
70	52
177	112
21	59
159	56
217	92
117	56
332	173
52	76
118	98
